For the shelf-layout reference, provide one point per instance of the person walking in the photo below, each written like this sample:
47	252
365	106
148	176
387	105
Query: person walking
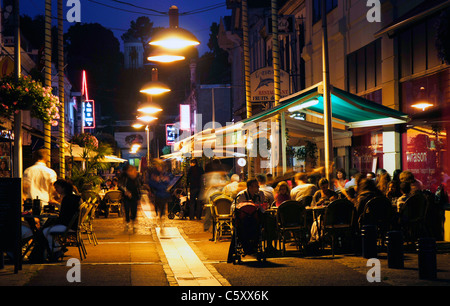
194	184
38	179
130	185
159	182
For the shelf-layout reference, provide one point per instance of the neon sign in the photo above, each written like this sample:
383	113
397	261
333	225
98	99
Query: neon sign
89	114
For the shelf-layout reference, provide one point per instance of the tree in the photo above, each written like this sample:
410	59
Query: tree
214	67
443	36
141	29
93	48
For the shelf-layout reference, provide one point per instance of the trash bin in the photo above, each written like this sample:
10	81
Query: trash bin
394	243
426	248
369	241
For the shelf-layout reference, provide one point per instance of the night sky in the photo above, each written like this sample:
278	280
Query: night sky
118	19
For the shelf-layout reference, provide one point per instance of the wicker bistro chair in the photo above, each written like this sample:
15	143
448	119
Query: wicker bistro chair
113	200
338	221
87	224
71	237
222	216
291	219
379	212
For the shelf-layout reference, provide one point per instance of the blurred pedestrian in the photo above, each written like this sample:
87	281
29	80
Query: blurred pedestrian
159	182
130	185
194	184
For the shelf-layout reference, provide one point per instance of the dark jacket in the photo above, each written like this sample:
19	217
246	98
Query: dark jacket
194	177
70	205
159	186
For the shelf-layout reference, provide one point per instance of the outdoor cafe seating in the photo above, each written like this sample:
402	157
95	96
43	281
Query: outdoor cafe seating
291	223
221	209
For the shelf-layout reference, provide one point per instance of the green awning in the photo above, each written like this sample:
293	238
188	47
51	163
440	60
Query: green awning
351	109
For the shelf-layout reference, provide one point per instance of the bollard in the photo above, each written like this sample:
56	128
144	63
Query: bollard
369	241
394	242
426	248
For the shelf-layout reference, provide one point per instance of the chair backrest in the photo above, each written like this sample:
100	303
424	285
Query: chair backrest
86	194
222	205
306	201
339	212
415	207
378	211
214	195
291	213
84	211
113	196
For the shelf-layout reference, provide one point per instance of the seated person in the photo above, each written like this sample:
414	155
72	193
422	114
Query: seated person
324	195
70	204
231	189
282	193
405	189
251	194
303	188
268	191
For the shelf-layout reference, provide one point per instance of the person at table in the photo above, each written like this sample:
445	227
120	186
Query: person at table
352	182
393	191
302	188
69	206
366	191
324	195
341	180
231	189
251	194
407	176
114	184
268	191
405	189
282	193
38	179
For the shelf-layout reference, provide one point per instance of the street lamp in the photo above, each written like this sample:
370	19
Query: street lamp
147	119
174	37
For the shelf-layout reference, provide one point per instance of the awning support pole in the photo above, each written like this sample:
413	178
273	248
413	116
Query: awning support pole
328	133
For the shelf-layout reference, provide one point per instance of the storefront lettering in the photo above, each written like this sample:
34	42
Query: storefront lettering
416	157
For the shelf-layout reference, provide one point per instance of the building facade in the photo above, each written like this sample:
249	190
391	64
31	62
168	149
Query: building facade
387	61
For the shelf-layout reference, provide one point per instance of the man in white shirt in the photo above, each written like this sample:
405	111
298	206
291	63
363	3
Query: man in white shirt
38	179
303	188
231	189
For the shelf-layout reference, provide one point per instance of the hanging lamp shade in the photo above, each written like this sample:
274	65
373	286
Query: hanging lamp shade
174	37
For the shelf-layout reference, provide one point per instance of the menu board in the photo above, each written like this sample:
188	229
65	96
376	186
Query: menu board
10	217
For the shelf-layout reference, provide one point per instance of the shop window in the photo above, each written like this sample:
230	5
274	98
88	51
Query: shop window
367	150
425	142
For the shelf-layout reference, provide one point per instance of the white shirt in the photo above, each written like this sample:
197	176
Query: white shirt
304	190
39	178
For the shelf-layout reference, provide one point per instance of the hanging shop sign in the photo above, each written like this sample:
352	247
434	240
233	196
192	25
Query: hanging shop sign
262	84
89	114
172	133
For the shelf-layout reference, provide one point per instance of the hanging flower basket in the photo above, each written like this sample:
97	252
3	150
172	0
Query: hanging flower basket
27	94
